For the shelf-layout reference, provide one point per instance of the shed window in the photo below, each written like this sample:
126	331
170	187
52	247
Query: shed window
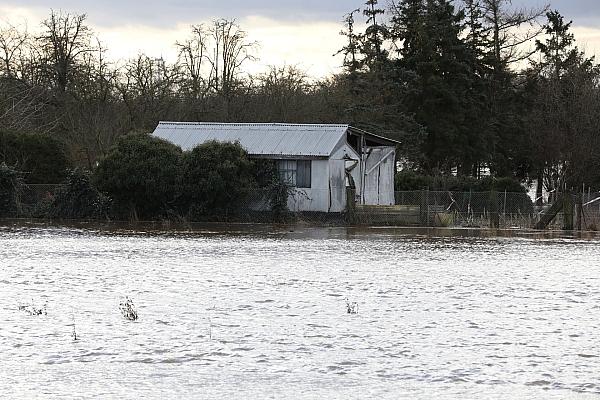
295	173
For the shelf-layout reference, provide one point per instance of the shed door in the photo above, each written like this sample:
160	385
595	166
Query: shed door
379	176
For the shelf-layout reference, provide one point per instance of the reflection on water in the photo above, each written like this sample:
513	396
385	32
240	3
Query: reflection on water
255	312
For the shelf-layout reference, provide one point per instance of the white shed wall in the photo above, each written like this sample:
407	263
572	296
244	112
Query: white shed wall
337	182
315	198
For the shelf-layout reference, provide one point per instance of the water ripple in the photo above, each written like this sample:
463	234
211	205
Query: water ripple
255	315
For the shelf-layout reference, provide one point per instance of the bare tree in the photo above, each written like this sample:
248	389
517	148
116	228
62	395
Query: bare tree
567	99
66	38
231	49
510	30
193	60
565	129
22	104
284	93
93	115
23	108
148	88
12	45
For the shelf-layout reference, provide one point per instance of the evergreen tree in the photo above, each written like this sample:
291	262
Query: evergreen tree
477	39
374	37
558	51
351	50
480	57
374	88
408	29
441	97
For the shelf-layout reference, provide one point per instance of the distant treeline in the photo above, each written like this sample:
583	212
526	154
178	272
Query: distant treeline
470	88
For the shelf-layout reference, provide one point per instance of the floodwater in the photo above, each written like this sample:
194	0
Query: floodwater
261	313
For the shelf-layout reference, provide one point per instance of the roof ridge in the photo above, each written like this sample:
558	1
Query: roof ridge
249	124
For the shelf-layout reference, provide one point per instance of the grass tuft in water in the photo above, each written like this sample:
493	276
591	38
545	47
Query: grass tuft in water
128	309
32	309
74	333
351	308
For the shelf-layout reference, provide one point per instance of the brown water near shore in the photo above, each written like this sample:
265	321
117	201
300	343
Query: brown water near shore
167	227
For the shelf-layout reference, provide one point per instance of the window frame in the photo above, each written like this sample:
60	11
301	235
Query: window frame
291	170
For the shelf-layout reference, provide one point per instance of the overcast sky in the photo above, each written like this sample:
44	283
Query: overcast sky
304	32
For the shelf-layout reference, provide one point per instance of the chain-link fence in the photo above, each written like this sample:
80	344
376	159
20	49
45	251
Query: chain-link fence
590	214
32	196
411	208
452	209
428	208
35	193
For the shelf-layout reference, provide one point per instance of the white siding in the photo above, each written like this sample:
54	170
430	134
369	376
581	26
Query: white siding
315	198
337	182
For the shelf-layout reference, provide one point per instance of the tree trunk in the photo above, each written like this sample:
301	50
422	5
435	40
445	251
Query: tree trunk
539	189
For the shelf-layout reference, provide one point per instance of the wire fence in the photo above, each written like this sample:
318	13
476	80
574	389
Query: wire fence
590	211
454	209
408	208
33	194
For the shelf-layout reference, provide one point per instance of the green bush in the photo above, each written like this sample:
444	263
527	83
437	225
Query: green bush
77	198
408	180
146	177
275	191
42	158
11	184
215	178
141	174
265	172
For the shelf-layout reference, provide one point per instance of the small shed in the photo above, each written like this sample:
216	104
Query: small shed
319	160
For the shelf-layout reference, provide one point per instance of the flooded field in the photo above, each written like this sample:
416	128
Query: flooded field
261	313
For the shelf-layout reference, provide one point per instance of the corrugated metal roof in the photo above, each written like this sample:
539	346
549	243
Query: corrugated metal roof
258	139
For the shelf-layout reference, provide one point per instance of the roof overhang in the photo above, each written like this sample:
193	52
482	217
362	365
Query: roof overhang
381	140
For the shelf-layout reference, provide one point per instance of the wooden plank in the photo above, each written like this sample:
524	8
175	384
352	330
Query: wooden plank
547	216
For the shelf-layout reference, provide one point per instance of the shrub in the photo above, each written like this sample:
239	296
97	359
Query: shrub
215	178
11	183
141	175
274	189
265	172
41	158
278	193
409	180
509	185
78	198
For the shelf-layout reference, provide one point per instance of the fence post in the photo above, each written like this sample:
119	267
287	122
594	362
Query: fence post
351	205
579	211
568	211
424	208
494	215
